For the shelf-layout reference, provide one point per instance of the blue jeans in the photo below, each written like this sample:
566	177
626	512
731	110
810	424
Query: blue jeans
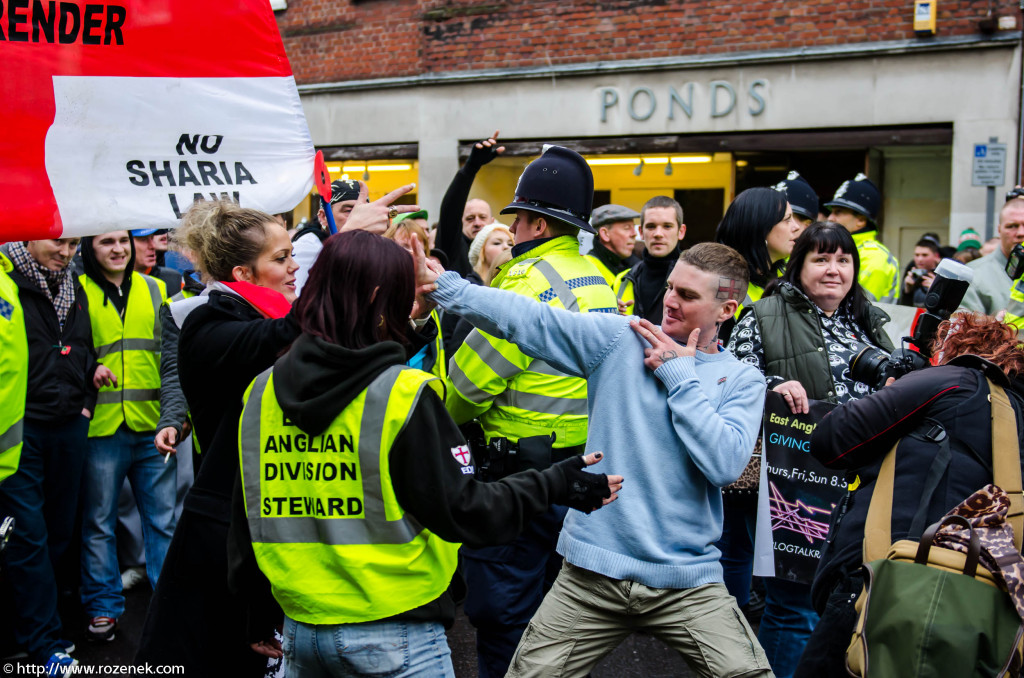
42	495
394	649
110	460
786	625
737	544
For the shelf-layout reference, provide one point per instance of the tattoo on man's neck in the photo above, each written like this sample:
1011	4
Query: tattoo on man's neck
728	288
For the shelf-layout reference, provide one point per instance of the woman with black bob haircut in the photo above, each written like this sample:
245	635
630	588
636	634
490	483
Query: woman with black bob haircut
803	335
361	563
759	225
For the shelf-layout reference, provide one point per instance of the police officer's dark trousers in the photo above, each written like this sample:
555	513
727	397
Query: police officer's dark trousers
505	586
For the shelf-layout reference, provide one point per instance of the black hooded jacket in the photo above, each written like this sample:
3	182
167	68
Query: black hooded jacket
313	383
858	435
61	360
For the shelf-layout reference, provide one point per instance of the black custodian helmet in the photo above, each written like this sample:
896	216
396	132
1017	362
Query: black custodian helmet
800	195
558	184
860	195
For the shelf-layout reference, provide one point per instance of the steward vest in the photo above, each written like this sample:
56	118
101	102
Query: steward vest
605	272
131	349
1015	307
794	344
879	270
512	395
13	372
326	528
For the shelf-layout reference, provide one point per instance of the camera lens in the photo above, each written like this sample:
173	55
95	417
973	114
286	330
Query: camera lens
868	367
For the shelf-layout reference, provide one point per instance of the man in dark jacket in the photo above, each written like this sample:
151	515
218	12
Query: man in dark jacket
643	286
63	375
927	409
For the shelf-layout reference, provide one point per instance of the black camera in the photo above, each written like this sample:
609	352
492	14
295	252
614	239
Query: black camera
1016	192
1015	262
873	367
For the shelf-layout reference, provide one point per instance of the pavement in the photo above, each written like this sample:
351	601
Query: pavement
637	656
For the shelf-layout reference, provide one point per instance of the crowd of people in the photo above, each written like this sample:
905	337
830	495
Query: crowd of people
317	445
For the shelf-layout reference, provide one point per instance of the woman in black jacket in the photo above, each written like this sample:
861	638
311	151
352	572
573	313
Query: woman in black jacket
915	410
42	495
231	333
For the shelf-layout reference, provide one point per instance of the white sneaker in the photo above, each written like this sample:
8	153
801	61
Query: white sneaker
132	577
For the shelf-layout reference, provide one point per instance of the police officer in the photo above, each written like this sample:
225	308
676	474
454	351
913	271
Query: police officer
855	207
521	403
643	286
615	236
801	197
124	311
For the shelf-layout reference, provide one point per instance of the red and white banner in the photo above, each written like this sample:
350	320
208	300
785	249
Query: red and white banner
120	115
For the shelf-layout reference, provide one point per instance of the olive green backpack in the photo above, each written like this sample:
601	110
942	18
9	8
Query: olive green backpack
929	611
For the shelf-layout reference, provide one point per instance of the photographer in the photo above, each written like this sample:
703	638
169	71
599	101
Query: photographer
921	276
927	408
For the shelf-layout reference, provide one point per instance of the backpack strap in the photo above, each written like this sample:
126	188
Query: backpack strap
878	526
1006	457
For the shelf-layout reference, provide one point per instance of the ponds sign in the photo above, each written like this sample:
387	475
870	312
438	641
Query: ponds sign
719	98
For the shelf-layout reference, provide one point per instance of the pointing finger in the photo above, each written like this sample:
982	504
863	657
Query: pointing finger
691	341
395	195
364	193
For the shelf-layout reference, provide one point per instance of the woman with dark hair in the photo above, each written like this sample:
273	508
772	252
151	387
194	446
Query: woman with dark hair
759	225
803	336
857	436
361	565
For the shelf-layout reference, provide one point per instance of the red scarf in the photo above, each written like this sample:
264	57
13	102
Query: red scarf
270	303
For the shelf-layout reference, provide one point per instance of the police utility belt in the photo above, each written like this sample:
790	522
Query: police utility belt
502	457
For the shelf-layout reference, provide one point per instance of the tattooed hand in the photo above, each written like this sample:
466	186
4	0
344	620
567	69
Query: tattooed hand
663	347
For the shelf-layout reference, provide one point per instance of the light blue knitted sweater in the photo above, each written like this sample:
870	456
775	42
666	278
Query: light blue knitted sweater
677	435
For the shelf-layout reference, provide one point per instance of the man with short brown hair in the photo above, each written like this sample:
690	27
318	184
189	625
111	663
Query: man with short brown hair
647	561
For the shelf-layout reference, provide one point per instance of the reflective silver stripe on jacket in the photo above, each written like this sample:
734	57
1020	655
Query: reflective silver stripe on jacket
559	288
127	394
622	288
139	344
544	404
373	527
12	436
127	345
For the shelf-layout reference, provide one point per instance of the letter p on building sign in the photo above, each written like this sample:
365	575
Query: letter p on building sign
118	116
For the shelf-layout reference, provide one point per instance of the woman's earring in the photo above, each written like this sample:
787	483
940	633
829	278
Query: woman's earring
381	323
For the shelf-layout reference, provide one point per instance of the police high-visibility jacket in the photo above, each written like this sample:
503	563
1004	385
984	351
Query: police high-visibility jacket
605	272
326	528
13	372
131	349
879	270
509	393
1015	307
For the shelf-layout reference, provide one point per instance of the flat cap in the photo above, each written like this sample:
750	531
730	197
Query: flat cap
609	214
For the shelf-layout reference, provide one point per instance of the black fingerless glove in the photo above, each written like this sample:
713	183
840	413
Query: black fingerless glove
584	491
478	157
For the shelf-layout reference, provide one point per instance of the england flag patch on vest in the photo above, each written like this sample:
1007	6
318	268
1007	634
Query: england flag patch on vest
463	456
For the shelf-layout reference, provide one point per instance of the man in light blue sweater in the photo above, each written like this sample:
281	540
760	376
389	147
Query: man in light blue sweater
678	431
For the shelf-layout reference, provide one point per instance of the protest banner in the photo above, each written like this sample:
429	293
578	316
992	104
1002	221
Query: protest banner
796	496
120	115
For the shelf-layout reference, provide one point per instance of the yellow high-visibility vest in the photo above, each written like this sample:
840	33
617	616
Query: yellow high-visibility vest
13	371
509	393
131	349
326	527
